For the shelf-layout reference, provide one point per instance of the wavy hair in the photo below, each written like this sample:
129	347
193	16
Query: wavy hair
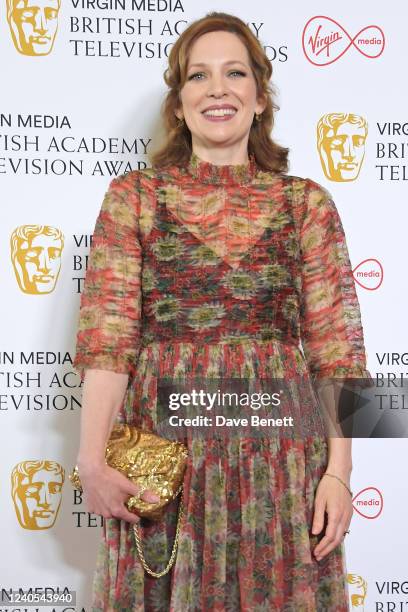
177	148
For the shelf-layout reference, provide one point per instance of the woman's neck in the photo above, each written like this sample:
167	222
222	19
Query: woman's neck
221	156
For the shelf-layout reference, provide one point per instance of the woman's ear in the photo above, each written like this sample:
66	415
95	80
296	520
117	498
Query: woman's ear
261	104
179	113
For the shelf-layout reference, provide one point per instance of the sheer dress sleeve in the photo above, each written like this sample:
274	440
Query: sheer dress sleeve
331	329
108	331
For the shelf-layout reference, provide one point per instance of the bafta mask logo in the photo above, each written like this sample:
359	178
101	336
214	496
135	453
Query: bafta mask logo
341	145
33	25
36	256
36	490
357	591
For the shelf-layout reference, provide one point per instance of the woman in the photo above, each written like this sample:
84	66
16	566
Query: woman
241	263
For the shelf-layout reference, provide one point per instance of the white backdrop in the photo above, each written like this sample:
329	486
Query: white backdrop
87	85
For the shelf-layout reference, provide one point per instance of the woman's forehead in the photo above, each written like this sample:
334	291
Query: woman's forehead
218	46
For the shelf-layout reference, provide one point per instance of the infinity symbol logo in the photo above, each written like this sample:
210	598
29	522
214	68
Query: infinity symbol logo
324	41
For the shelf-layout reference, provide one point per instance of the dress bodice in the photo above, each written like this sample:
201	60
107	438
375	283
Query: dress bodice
221	262
208	254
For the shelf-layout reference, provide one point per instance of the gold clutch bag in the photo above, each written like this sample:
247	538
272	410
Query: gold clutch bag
153	463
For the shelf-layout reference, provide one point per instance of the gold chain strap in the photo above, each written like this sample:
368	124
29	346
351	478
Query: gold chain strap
175	543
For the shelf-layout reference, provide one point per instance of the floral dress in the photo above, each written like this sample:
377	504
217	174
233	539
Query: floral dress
230	272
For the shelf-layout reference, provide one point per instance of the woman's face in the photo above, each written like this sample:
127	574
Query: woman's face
219	75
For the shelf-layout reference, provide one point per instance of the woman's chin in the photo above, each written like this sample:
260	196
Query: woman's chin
220	137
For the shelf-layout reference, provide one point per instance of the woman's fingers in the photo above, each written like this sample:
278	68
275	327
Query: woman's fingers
121	512
333	536
150	496
132	489
325	544
318	517
106	492
332	500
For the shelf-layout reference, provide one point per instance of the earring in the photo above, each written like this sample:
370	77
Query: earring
180	122
258	117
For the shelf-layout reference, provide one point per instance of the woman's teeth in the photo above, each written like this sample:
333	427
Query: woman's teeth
220	112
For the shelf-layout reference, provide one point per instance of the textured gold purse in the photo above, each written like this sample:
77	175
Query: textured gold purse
153	463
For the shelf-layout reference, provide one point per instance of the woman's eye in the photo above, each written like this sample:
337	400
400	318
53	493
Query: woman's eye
192	76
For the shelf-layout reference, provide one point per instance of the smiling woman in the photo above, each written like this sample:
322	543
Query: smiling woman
215	264
237	77
220	122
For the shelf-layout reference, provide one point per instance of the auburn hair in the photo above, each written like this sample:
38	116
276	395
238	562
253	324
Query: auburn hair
177	148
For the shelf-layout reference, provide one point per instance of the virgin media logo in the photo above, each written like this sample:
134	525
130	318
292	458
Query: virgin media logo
368	502
369	274
324	41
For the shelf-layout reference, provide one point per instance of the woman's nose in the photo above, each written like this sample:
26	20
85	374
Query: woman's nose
216	86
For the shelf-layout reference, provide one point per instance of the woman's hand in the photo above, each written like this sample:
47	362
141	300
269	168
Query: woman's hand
106	490
333	498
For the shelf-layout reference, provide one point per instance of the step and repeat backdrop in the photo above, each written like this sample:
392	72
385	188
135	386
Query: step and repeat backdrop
82	85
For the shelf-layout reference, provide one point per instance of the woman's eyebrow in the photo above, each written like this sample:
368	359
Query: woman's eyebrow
225	63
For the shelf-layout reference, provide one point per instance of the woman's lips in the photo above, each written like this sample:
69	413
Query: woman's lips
226	117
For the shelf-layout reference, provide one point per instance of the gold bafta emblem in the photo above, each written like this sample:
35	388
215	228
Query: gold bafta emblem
341	145
33	25
36	257
358	591
36	490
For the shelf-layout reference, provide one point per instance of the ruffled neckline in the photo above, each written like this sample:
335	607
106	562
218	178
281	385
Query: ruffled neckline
207	172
